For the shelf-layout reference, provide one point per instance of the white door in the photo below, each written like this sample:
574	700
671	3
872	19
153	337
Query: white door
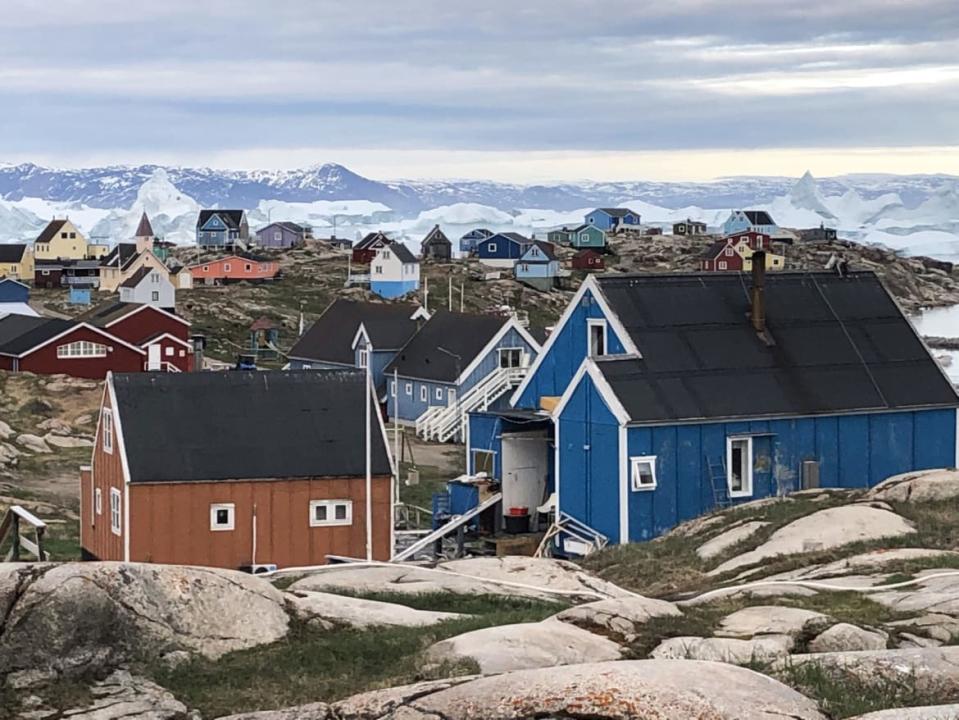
153	357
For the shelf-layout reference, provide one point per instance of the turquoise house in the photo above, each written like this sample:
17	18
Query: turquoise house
587	236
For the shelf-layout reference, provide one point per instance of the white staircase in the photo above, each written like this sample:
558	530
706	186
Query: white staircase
445	422
456	521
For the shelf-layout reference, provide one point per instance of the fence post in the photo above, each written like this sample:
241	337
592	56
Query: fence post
15	539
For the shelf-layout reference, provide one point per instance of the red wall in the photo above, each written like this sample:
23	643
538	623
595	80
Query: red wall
215	270
146	323
96	536
175	353
45	360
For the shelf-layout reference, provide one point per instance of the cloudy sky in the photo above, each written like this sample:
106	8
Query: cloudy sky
506	89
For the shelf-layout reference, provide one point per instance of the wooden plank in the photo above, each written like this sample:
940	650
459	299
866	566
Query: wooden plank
30	546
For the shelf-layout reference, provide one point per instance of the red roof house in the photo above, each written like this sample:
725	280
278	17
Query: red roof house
164	336
365	250
588	260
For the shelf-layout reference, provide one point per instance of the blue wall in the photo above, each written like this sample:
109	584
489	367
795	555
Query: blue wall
854	451
566	355
499	247
604	221
411	406
735	224
13	292
394	288
537	269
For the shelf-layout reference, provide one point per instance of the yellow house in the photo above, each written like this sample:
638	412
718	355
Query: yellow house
95	251
773	261
60	240
124	261
16	262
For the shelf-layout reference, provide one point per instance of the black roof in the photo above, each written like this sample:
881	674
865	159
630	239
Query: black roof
477	233
403	253
758	217
11	253
120	255
713	249
330	338
52	228
456	333
231	218
617	212
135	278
373	240
839	344
103	315
19	333
246	425
545	248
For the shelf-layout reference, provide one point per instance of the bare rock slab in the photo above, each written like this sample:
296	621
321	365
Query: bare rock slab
918	487
662	689
620	617
823	530
767	648
122	696
360	613
771	620
522	646
929	712
926	669
845	637
937	595
725	540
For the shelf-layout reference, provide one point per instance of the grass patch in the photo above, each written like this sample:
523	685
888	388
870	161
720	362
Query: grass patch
432	480
311	665
524	609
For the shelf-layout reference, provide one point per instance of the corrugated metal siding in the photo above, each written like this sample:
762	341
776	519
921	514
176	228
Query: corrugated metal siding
566	355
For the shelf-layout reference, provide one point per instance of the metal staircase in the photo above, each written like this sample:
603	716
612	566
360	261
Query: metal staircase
718	482
446	422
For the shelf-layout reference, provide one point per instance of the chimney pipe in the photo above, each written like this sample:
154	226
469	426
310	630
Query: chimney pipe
758	314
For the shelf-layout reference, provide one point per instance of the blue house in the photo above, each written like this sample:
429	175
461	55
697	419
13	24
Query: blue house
502	249
750	221
471	239
354	334
222	228
13	291
538	267
662	397
612	219
455	363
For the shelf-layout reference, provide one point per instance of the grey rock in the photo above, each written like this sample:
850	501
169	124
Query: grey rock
771	620
67	441
766	648
727	539
918	487
123	695
933	595
927	669
619	617
845	637
360	613
5	430
934	625
930	712
33	443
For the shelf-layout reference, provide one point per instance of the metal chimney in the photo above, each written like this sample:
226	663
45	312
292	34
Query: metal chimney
758	312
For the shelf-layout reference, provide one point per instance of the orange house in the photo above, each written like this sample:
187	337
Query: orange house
236	469
234	269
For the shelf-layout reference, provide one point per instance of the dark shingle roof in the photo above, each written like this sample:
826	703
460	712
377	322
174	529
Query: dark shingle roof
11	253
372	240
120	256
459	334
144	229
435	236
759	217
103	315
231	218
403	253
330	338
840	344
135	278
713	249
545	248
52	228
617	212
285	425
20	333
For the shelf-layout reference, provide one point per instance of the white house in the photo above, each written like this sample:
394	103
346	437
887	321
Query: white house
149	286
394	271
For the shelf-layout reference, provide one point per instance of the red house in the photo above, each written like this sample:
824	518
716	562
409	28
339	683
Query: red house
234	269
164	336
167	485
722	256
755	240
588	260
365	250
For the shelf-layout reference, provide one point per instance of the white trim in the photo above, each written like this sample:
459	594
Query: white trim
510	324
589	367
116	527
424	393
231	517
331	505
634	463
360	333
471	467
146	307
957	439
600	323
171	336
747	490
590	284
97	503
106	413
10	279
421	313
76	327
623	441
122	450
556	454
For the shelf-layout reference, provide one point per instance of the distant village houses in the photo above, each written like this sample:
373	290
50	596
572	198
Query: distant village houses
222	229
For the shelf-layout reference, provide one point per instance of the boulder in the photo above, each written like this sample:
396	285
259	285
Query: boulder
934	625
66	441
935	595
554	575
122	695
662	689
5	430
873	561
845	637
724	650
771	620
930	712
359	613
925	669
823	530
313	711
725	540
522	646
33	443
918	487
55	425
96	616
619	617
908	640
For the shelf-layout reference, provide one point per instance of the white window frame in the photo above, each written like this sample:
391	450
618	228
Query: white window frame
116	511
154	296
424	393
491	247
231	517
723	265
590	324
451	396
439	393
492	455
507	352
635	482
362	359
747	487
98	501
169	351
227	267
409	389
331	520
81	349
392	388
106	430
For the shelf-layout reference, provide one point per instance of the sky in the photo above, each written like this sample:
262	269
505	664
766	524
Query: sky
518	91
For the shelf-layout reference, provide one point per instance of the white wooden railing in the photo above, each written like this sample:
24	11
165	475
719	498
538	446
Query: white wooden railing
15	520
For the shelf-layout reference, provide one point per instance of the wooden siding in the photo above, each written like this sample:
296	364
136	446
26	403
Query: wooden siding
170	522
142	324
120	359
96	537
217	270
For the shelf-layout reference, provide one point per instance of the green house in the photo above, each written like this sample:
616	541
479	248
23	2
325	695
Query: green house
559	237
587	236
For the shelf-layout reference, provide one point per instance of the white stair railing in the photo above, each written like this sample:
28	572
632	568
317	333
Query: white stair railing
444	422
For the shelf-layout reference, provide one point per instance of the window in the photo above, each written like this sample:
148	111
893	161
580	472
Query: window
361	362
483	462
81	349
409	388
597	338
73	236
226	267
222	516
386	255
392	388
723	265
491	247
277	237
424	394
155	296
106	425
378	270
169	352
739	466
248	267
439	393
115	511
331	512
451	395
730	252
510	357
98	501
642	473
63	236
524	267
206	268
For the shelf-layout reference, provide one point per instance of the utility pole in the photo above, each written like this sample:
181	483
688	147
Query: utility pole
368	387
451	293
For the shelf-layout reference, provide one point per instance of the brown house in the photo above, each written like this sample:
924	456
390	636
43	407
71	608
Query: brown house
235	469
588	260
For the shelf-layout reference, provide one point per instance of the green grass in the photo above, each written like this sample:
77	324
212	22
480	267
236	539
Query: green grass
525	610
313	665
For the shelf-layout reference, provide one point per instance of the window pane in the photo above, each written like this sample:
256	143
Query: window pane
222	516
340	512
320	512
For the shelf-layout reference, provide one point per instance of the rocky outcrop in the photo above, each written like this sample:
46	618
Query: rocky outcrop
33	443
84	617
823	530
930	712
925	669
936	595
620	618
845	637
763	649
918	487
528	645
328	610
772	620
729	538
122	695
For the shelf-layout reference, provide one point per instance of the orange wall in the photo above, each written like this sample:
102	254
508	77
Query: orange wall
216	269
96	537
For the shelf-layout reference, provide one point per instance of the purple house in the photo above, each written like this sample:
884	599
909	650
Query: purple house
283	235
